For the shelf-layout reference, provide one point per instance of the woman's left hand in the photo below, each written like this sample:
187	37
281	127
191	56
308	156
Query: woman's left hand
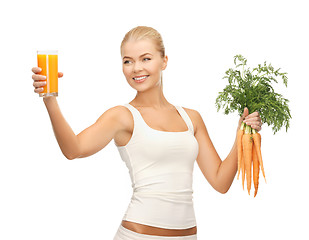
253	120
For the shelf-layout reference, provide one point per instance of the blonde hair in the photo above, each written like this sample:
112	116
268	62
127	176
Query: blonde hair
143	32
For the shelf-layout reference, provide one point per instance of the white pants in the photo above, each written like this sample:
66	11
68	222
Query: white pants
126	234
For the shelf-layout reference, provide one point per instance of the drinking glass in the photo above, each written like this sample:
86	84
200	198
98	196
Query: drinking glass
48	62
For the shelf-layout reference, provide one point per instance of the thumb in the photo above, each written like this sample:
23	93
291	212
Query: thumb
245	113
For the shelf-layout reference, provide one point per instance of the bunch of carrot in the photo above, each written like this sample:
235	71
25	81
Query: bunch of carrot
249	156
252	88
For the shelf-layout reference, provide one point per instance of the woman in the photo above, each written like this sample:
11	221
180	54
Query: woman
158	141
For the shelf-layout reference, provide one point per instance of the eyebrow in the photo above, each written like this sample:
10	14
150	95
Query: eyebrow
139	56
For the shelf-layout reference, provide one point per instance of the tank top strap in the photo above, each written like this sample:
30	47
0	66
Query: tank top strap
186	118
136	115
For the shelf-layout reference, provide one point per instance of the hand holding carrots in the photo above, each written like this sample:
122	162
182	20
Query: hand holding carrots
249	149
252	88
253	120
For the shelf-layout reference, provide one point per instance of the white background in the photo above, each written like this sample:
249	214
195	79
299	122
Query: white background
45	196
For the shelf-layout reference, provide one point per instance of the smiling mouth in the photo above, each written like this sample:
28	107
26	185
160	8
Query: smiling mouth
140	78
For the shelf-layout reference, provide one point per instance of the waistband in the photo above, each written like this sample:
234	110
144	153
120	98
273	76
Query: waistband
126	234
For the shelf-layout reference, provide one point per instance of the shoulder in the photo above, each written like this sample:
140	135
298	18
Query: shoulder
195	117
191	112
119	115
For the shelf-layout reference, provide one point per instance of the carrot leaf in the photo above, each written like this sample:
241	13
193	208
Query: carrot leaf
253	89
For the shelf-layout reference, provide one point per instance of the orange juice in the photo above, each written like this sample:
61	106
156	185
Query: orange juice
48	62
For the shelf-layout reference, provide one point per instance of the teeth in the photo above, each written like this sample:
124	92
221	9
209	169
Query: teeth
140	78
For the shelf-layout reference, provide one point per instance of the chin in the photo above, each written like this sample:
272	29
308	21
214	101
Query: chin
141	88
144	86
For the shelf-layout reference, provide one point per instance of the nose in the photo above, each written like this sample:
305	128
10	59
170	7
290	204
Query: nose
137	67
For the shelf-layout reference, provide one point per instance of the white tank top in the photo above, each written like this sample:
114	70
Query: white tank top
161	165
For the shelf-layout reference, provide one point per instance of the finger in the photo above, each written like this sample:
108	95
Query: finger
256	127
254	114
38	90
245	113
37	77
36	70
60	74
243	116
38	84
252	119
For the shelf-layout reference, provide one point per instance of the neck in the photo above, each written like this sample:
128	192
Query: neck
153	97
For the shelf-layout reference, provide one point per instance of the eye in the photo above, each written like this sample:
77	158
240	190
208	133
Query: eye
126	62
146	59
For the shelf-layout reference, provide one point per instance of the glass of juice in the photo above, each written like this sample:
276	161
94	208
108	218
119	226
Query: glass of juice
48	62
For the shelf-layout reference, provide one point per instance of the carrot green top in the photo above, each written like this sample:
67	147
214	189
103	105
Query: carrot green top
253	89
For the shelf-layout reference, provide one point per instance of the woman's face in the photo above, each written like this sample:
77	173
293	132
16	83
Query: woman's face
142	64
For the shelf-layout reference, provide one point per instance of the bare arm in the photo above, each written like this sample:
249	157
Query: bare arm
220	174
87	142
90	140
65	136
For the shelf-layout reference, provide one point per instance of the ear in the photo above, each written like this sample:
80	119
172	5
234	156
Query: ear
165	60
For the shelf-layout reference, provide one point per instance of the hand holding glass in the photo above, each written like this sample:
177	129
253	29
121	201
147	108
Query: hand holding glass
48	62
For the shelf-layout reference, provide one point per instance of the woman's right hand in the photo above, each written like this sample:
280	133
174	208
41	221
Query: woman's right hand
39	80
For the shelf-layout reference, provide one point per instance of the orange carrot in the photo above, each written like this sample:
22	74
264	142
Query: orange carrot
256	169
247	151
240	133
243	173
257	141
